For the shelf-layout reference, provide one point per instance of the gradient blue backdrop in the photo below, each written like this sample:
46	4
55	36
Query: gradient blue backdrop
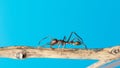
25	22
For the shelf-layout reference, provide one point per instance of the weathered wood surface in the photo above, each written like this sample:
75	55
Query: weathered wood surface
104	55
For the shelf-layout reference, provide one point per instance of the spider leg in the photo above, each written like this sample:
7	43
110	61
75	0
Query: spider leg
45	44
75	34
44	39
51	47
80	39
63	46
78	36
75	39
58	46
85	46
69	36
81	43
64	38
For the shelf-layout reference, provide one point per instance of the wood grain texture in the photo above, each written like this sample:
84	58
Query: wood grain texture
104	55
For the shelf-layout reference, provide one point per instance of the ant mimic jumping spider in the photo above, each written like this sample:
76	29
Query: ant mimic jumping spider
75	41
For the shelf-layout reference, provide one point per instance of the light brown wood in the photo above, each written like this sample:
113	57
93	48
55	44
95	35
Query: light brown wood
104	55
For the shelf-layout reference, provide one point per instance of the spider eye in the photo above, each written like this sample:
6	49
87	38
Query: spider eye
77	43
54	41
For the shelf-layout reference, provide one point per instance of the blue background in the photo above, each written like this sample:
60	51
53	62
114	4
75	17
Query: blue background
25	22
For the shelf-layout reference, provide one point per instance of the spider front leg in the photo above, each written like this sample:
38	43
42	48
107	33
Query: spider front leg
52	47
44	39
51	43
43	46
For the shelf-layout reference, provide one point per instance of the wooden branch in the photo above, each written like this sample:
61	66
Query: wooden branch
104	55
113	64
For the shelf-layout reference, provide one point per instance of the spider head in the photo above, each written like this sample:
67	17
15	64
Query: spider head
54	41
77	43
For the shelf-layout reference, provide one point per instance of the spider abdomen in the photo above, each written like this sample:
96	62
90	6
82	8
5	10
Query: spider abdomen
77	43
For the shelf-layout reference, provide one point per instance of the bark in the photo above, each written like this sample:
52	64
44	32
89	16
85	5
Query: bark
104	55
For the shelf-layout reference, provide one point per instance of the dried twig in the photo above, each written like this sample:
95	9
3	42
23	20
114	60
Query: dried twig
104	55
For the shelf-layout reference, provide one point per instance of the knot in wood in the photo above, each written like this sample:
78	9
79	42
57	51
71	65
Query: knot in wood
21	55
